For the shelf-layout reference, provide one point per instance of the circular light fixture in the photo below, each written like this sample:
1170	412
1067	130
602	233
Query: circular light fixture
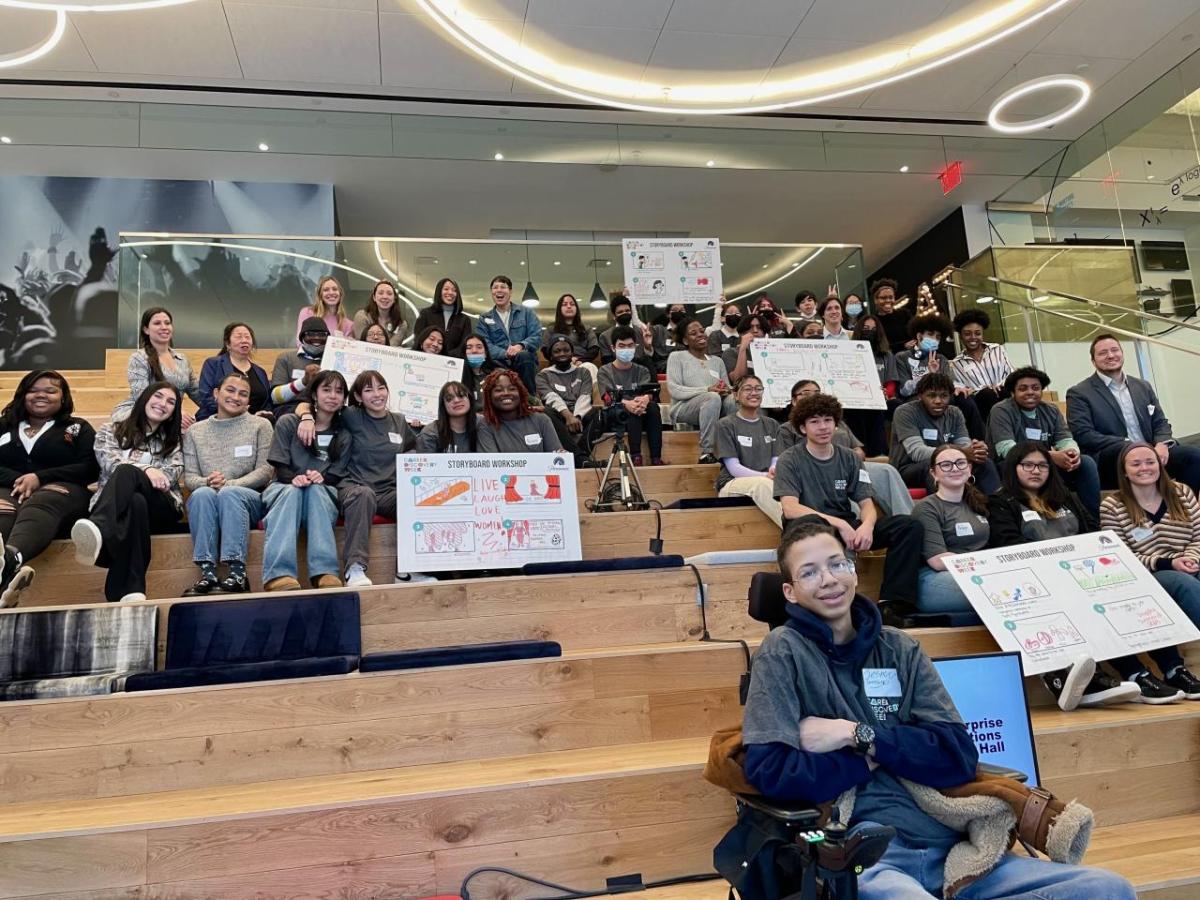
471	262
37	51
678	91
498	157
264	147
5	139
1049	82
904	168
711	163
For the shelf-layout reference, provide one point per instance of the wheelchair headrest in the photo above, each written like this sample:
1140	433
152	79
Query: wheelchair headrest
766	600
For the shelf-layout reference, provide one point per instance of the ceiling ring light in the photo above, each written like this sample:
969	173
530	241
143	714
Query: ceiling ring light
928	50
37	51
1049	82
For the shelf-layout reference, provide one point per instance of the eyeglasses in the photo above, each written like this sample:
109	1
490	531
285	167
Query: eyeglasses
1034	466
751	390
810	576
953	465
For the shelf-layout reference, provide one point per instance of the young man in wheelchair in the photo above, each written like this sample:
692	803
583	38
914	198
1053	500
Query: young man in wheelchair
842	710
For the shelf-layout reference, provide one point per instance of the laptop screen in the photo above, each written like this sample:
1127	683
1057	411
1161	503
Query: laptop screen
989	691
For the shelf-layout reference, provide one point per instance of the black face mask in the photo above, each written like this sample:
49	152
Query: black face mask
624	318
868	333
678	316
732	321
562	364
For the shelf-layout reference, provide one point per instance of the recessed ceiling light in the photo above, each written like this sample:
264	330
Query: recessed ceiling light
5	139
711	163
471	262
608	262
522	262
1150	177
264	147
904	168
558	262
498	156
764	265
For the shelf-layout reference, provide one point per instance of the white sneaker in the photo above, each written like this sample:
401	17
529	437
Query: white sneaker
356	576
412	578
22	580
87	539
133	597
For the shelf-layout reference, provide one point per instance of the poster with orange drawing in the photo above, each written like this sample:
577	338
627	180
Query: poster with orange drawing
462	512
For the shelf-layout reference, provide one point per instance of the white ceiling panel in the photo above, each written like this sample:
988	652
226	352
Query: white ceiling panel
362	5
316	46
809	49
27	27
953	88
189	40
868	20
1098	71
416	56
1028	37
649	14
1115	28
510	10
595	46
767	17
716	52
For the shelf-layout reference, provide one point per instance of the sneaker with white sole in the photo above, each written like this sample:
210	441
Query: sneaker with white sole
356	576
11	596
133	597
87	540
1186	682
1104	690
1068	685
1154	691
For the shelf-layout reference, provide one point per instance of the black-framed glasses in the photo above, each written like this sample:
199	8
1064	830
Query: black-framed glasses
953	465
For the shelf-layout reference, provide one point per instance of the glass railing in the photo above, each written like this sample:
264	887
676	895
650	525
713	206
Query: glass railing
208	280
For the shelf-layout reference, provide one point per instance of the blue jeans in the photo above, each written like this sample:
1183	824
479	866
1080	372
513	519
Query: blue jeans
1184	589
1085	481
907	873
289	507
938	593
229	514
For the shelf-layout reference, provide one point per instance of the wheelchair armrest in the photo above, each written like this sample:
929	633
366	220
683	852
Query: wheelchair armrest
790	815
1003	772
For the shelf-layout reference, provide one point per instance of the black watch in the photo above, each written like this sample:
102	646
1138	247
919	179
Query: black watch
864	738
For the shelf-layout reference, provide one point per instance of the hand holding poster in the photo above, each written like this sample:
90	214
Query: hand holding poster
845	369
1054	600
485	511
667	270
414	378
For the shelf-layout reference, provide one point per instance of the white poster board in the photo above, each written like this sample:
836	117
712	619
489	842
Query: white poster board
845	369
667	270
485	511
1054	600
413	378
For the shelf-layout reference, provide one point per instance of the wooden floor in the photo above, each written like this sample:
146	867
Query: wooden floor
574	769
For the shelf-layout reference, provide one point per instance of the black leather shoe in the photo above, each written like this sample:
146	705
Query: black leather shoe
234	583
206	584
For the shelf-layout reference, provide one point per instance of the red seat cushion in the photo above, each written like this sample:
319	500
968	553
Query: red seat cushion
917	493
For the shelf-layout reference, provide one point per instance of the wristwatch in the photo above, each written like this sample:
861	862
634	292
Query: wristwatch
864	738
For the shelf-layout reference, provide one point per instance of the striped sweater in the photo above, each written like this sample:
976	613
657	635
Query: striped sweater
1162	540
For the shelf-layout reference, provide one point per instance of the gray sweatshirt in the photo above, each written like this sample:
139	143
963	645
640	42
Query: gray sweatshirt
237	448
376	444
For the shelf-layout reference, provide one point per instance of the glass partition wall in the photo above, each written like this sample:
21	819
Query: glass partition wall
210	280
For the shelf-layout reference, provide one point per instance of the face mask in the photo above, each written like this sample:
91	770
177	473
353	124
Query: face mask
929	344
868	334
678	316
732	321
314	349
853	309
562	364
475	360
625	354
766	311
624	318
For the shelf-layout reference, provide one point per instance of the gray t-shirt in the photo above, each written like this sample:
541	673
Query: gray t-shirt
1009	424
793	679
916	434
565	389
753	444
1036	527
827	486
950	527
609	378
376	444
428	442
532	434
291	457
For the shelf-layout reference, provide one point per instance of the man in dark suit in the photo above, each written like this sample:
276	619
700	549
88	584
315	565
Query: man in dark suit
1109	409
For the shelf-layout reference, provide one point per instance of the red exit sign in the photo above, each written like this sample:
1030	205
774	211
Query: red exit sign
951	176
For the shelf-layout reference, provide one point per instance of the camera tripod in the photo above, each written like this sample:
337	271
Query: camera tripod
620	491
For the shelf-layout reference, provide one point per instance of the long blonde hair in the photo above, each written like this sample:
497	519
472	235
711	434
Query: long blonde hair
318	307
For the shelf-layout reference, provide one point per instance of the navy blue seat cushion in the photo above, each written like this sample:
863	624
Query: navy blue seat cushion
709	502
570	567
294	627
197	676
460	655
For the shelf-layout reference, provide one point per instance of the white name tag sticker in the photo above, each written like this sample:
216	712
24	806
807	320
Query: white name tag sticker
560	388
929	434
963	529
1150	408
324	440
395	438
882	683
245	451
1034	434
1029	515
533	440
5	438
487	321
297	373
863	476
745	441
914	362
1142	533
769	439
